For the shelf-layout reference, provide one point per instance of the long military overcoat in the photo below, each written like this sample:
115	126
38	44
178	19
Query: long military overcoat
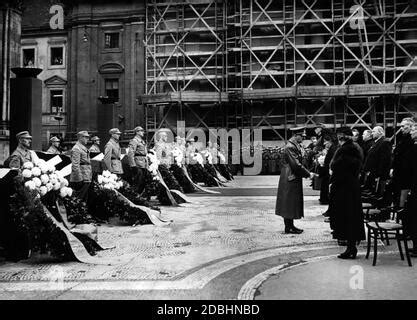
290	202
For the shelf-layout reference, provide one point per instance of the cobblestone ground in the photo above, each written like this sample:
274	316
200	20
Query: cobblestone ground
207	241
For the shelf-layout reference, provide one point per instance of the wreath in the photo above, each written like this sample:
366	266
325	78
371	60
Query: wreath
178	173
28	215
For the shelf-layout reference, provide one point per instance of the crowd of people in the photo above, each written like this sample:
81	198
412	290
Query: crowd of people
347	166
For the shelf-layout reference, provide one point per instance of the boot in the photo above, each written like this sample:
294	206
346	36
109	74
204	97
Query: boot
350	253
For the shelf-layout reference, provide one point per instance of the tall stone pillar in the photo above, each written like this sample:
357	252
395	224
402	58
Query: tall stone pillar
26	106
10	32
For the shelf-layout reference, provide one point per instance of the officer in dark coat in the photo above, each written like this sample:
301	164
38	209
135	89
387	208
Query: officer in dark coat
290	202
378	161
410	218
401	158
345	205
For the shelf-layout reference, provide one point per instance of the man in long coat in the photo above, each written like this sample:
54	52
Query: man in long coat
113	152
378	161
403	147
345	205
290	202
81	173
410	218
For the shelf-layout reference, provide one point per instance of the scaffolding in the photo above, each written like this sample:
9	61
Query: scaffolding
275	64
186	54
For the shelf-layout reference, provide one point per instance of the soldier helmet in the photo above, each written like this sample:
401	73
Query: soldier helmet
54	139
138	128
190	140
83	134
114	131
23	135
95	138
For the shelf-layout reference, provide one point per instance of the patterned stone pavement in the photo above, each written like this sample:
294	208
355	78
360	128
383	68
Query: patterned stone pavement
207	239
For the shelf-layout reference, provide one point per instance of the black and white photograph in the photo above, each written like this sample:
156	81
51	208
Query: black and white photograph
225	151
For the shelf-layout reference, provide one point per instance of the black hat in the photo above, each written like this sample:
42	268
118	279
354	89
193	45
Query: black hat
298	130
345	130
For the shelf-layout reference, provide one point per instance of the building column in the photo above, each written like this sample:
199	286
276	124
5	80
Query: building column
10	32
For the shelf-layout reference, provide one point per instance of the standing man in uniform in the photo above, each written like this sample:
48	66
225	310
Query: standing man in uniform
81	173
137	157
113	152
290	202
14	241
95	147
54	148
22	153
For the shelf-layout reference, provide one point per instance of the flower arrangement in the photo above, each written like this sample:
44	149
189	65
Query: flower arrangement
199	158
222	157
108	180
106	204
178	155
28	215
320	160
41	177
208	156
153	165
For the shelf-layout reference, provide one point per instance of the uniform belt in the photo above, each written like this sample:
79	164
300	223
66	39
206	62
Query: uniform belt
115	158
139	155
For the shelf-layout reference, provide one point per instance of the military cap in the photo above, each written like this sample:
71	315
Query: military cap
23	134
297	130
138	128
114	131
83	134
345	130
54	139
95	138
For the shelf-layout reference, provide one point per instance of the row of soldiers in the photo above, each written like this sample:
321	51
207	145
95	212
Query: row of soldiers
81	169
134	165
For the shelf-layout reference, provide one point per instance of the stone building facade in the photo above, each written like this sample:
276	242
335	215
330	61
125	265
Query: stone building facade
10	32
98	53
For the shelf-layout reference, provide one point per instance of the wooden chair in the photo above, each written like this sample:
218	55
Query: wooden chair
389	229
